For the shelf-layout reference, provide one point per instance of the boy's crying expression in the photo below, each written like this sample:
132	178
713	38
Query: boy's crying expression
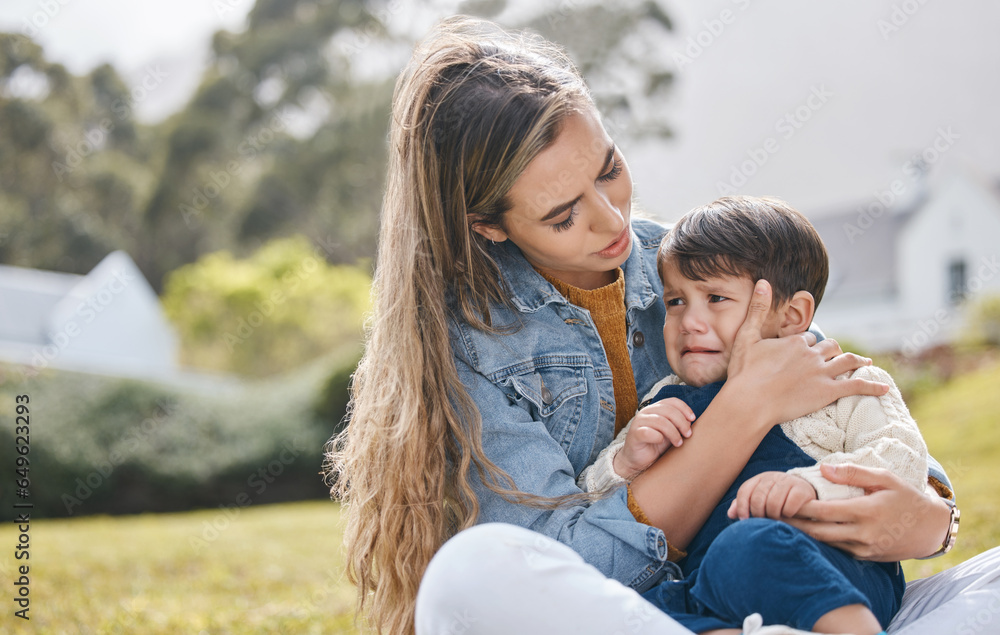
703	317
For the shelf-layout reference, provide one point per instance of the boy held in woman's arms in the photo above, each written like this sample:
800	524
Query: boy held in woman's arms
710	263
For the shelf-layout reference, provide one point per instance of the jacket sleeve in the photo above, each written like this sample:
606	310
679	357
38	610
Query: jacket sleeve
600	475
877	432
601	529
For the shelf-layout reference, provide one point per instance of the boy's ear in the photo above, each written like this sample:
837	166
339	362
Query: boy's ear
797	314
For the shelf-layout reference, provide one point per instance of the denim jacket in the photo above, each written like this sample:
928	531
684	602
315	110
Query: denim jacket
545	394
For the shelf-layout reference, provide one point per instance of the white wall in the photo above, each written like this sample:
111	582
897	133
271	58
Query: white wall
960	221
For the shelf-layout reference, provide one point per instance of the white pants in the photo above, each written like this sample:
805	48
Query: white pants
497	579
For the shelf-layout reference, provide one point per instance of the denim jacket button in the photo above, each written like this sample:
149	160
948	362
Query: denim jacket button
638	338
546	395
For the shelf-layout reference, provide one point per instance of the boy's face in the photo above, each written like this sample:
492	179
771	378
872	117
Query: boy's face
703	317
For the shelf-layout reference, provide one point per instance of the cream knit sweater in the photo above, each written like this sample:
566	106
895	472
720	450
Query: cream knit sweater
868	431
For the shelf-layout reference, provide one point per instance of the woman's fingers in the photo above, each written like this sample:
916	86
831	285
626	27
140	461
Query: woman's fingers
870	479
834	534
828	347
846	362
760	304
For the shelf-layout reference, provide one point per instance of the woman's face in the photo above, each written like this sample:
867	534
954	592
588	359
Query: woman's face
571	206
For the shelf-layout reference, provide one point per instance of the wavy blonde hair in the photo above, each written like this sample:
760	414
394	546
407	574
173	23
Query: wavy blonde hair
471	110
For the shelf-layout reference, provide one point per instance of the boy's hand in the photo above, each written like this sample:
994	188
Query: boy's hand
654	429
774	495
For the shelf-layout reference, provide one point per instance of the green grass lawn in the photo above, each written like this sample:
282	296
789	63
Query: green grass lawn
271	569
961	423
278	568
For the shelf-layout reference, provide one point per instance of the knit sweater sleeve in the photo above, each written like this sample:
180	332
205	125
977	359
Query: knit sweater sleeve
877	432
600	474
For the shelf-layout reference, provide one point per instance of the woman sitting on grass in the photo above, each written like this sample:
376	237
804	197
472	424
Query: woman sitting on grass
517	316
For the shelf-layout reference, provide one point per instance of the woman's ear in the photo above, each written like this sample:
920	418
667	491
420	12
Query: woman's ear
797	314
489	232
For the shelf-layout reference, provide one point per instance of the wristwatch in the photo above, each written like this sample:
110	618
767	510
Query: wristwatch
949	538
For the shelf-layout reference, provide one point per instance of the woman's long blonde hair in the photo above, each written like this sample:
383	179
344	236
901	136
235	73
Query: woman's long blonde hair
474	106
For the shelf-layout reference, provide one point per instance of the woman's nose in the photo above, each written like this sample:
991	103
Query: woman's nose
606	217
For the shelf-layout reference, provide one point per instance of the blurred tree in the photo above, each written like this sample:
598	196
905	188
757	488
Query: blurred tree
71	175
619	49
284	136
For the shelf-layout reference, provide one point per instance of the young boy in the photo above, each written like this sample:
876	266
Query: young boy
709	263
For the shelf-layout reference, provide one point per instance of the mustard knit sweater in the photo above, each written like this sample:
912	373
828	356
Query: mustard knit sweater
607	308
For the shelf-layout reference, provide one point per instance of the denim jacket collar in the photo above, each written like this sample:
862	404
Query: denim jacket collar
530	291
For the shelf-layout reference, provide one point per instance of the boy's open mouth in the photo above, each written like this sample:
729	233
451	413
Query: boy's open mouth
698	350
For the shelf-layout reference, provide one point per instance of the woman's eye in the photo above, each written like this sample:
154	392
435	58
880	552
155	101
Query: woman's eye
613	173
566	224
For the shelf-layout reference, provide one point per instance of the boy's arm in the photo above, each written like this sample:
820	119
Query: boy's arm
878	432
600	474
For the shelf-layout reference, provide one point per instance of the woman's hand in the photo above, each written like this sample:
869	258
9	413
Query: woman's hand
893	521
790	376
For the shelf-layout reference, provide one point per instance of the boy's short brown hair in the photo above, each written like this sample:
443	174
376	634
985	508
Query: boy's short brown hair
758	237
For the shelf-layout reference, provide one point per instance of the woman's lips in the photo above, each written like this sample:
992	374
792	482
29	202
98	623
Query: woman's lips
617	246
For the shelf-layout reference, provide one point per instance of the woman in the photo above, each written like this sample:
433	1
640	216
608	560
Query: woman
486	386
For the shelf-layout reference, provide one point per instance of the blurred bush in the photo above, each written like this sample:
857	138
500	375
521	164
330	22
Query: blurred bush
110	445
984	321
269	313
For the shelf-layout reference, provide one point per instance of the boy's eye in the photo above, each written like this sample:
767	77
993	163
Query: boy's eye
716	298
673	302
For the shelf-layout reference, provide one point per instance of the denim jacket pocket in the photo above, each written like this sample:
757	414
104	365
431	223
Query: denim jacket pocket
553	392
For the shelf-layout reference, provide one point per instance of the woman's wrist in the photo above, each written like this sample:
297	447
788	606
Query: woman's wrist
937	527
750	402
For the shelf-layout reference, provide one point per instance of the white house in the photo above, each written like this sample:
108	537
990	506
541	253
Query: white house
109	321
902	275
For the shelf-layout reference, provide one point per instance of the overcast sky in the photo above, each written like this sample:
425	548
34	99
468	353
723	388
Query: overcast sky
819	103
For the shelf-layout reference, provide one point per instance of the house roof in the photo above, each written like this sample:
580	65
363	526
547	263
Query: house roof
108	321
862	254
27	298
